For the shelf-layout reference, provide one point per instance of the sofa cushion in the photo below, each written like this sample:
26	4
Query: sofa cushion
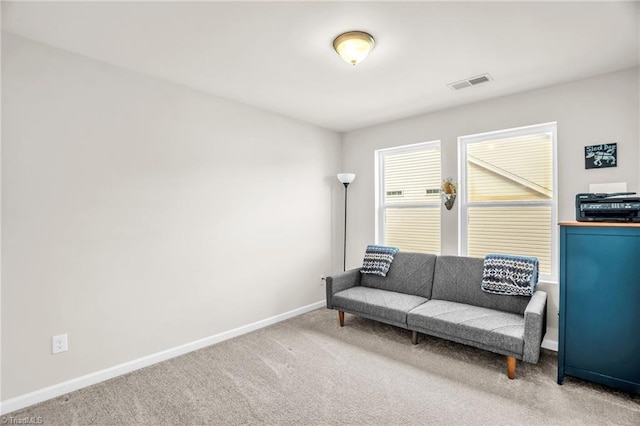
459	279
488	328
410	273
377	303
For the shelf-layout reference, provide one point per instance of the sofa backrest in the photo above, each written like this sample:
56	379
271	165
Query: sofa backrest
410	273
459	279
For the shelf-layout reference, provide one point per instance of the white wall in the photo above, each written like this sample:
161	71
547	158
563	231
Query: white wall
138	215
588	112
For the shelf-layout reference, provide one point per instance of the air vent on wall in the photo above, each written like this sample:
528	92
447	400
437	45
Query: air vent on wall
472	81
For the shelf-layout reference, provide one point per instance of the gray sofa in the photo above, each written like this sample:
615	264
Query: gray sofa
441	296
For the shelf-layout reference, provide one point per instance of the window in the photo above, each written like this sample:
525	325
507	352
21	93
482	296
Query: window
508	201
408	197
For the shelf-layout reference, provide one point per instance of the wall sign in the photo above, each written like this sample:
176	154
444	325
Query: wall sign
601	156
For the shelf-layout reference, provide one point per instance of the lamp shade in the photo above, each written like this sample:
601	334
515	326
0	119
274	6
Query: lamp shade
354	46
346	177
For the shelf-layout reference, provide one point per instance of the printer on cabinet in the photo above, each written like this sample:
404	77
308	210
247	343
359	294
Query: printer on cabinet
600	207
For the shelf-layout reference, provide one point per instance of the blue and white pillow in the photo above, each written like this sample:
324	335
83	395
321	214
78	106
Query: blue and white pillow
377	259
510	275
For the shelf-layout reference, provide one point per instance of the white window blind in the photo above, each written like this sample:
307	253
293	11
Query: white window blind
409	198
508	194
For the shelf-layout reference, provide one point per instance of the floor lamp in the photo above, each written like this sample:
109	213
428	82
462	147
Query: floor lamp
345	179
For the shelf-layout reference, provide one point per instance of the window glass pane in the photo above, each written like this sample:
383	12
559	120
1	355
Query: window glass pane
412	177
413	229
511	169
521	230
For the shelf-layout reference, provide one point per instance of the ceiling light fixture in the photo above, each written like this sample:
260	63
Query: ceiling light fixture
354	46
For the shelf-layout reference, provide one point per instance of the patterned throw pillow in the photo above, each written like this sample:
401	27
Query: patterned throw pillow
510	275
377	259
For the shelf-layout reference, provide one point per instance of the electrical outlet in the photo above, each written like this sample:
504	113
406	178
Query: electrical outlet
59	344
323	278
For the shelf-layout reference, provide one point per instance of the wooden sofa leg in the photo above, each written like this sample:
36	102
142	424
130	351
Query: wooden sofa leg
414	337
511	367
341	318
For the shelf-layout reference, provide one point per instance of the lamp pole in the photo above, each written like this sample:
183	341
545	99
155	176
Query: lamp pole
344	248
345	179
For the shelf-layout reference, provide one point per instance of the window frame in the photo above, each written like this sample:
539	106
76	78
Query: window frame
550	128
380	207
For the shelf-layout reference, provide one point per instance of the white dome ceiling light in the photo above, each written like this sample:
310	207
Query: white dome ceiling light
354	46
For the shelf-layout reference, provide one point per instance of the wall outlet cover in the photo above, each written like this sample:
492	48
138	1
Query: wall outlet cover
59	344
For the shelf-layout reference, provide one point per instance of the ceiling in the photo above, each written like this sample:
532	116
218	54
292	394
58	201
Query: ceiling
278	56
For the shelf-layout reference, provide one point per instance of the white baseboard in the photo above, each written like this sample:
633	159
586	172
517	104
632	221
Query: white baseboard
550	344
54	391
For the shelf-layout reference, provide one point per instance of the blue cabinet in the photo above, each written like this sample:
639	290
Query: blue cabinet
599	335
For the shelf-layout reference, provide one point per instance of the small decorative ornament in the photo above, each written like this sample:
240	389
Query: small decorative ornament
449	191
600	156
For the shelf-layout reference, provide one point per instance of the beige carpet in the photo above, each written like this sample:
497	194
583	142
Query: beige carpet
307	370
